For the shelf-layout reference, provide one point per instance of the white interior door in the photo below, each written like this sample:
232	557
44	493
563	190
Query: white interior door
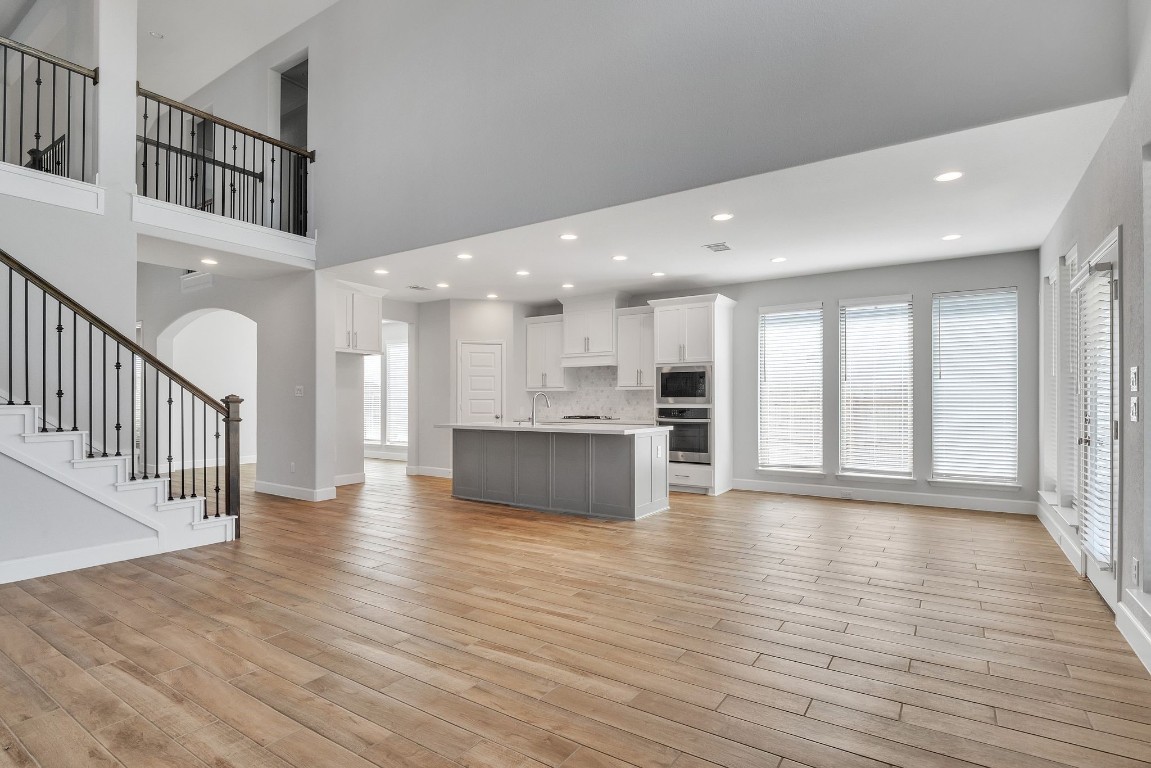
1098	441
481	382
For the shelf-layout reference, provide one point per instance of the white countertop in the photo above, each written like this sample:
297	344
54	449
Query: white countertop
597	428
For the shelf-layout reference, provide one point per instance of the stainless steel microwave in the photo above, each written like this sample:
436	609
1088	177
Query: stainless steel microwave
684	384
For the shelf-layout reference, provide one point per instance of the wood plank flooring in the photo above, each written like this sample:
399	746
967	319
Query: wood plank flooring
396	626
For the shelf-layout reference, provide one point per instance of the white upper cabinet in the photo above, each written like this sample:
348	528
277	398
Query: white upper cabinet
358	323
589	330
684	334
544	342
635	349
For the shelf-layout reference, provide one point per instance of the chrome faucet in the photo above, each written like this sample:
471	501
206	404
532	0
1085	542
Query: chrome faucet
534	399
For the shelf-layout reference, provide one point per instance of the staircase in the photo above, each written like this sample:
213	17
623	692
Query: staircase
105	452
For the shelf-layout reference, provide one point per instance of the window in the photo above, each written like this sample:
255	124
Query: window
975	386
791	388
875	394
373	403
397	395
1050	478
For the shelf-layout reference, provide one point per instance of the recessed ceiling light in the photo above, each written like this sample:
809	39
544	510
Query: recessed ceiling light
381	271
779	259
157	35
522	273
492	296
949	176
952	237
441	285
463	256
621	257
567	285
723	217
209	261
657	274
569	236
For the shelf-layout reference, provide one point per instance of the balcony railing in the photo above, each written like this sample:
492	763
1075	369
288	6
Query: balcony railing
191	158
47	113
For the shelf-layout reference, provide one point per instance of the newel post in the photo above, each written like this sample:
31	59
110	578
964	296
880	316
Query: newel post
232	458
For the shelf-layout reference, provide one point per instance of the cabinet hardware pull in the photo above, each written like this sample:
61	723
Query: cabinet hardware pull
347	338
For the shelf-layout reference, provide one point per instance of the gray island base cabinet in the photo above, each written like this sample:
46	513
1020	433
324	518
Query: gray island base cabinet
619	473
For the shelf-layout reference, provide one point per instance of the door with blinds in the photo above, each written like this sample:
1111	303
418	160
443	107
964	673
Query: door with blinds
1094	301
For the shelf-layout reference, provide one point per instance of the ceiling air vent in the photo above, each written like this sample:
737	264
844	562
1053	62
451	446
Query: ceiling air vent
418	288
717	247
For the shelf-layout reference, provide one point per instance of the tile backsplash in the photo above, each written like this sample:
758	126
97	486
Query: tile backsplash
592	392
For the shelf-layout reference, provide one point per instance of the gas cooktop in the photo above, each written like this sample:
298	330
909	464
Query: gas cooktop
589	418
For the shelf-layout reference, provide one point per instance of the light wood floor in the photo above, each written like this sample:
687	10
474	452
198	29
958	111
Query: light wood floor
398	627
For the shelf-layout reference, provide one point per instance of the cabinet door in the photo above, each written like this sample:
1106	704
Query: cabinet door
601	331
669	334
698	334
575	332
343	318
553	355
646	360
628	331
536	354
366	323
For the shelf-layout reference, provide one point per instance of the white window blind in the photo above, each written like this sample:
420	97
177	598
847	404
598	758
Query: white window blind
396	420
975	386
1095	452
876	387
373	404
791	388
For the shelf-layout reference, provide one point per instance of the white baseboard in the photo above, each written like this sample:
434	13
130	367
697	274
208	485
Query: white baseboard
1133	618
58	562
915	498
352	479
395	454
295	492
429	471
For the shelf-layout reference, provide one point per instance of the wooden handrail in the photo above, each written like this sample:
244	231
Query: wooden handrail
309	154
93	74
119	338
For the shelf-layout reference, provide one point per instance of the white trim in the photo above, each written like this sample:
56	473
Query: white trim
74	559
781	308
295	492
870	478
399	454
877	301
1133	618
353	478
429	471
791	471
187	225
914	498
946	482
47	188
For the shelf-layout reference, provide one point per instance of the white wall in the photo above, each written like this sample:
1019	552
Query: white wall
41	516
296	457
921	281
431	450
217	352
349	436
628	100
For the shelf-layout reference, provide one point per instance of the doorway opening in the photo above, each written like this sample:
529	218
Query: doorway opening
294	105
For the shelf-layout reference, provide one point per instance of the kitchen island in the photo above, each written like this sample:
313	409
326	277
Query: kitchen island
603	470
